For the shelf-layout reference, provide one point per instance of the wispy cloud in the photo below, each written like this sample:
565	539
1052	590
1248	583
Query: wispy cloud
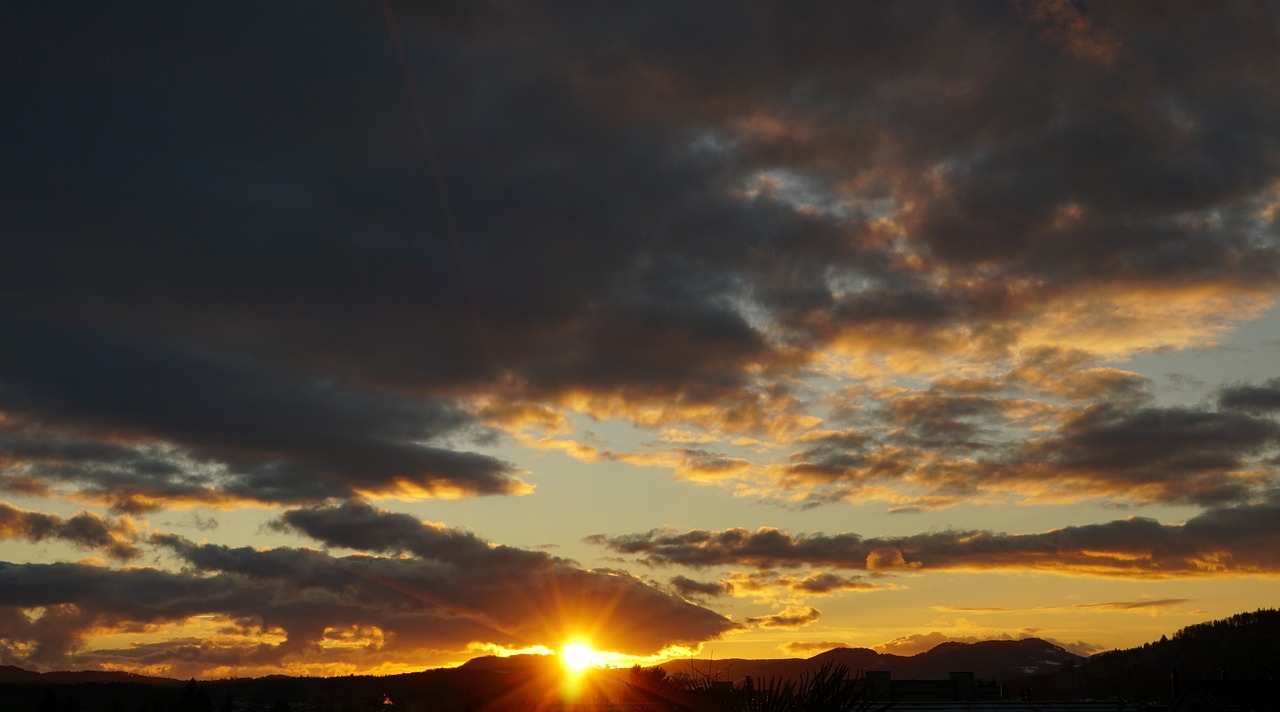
1150	604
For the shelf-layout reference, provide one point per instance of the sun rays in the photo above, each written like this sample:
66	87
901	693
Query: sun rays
578	656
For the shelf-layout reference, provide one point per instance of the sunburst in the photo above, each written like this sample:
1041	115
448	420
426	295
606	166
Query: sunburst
578	656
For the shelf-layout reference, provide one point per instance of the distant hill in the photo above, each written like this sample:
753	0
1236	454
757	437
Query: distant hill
991	659
512	663
998	659
16	675
1245	646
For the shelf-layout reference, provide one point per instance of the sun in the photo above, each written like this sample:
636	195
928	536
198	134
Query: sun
578	656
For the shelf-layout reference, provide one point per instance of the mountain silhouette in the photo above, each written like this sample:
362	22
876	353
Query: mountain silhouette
1243	647
991	659
16	675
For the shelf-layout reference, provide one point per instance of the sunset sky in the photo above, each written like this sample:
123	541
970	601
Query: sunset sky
374	337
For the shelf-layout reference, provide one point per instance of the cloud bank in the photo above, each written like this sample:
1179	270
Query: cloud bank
297	258
1218	542
296	607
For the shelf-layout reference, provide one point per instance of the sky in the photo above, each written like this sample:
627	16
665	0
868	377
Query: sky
360	337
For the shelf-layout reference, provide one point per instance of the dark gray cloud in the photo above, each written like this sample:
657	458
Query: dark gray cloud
1228	540
259	434
1251	398
455	590
302	615
328	247
86	530
540	596
769	583
943	422
1108	441
1176	454
594	196
79	598
687	587
828	583
359	526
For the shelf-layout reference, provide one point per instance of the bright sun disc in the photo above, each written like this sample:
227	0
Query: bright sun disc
578	656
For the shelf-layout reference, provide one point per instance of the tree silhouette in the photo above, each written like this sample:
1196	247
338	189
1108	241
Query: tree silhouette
654	678
194	698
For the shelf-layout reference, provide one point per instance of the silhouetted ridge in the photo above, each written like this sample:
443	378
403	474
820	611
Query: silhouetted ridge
511	663
1245	646
16	675
853	657
1000	659
9	673
944	647
1266	620
1242	648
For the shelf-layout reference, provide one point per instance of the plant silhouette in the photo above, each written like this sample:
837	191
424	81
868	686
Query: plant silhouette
831	688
